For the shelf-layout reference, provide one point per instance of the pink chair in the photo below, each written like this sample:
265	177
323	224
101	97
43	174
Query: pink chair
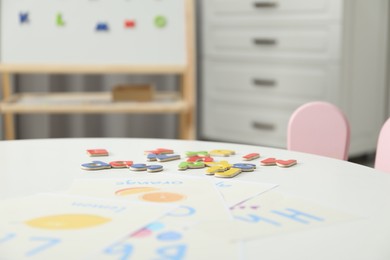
319	128
382	157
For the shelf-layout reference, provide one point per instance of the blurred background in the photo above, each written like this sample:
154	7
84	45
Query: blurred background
256	62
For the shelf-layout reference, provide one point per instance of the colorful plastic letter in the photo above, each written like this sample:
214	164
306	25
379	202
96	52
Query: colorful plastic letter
24	17
95	165
102	27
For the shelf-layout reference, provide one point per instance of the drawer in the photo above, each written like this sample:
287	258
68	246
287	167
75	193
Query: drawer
262	83
276	8
266	40
275	43
245	124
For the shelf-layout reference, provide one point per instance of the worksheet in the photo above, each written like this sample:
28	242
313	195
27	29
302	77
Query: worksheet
199	198
273	213
172	236
58	226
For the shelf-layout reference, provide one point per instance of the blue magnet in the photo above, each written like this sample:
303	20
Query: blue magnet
95	165
24	17
154	168
138	167
151	157
245	167
166	157
102	27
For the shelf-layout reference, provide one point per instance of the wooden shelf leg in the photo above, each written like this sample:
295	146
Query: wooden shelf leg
188	82
9	126
186	126
8	118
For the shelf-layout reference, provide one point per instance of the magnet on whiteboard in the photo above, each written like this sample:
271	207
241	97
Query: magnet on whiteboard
59	20
24	17
102	27
129	23
160	21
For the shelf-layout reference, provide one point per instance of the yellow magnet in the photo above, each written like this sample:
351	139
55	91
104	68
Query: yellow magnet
232	172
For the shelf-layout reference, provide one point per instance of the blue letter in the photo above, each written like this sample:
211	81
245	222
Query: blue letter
50	242
120	248
182	211
296	214
7	237
172	252
254	219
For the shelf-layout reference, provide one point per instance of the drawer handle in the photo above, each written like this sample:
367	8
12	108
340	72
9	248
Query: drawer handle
264	41
263	126
265	5
264	82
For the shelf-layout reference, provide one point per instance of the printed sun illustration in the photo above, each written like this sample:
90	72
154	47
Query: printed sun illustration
134	190
163	197
67	221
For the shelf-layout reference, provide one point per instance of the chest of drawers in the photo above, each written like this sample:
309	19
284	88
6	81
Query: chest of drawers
260	60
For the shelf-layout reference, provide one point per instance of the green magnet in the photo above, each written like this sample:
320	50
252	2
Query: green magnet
59	20
160	21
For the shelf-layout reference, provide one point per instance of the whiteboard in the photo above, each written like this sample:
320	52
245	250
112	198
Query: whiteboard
128	32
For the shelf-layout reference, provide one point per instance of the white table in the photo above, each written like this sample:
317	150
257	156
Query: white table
32	166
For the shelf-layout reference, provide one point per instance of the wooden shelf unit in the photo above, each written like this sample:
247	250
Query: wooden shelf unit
165	102
182	102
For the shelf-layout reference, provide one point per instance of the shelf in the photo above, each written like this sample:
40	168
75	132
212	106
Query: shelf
92	69
90	102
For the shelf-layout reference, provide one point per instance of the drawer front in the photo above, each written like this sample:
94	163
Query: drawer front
270	41
266	83
320	43
275	8
245	124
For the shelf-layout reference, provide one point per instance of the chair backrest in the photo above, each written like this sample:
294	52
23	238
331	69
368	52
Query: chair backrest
319	128
382	157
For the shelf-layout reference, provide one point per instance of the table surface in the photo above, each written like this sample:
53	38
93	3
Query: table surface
48	165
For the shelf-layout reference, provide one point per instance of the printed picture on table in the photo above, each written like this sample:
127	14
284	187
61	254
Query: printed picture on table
178	190
163	240
169	237
48	226
67	221
275	213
